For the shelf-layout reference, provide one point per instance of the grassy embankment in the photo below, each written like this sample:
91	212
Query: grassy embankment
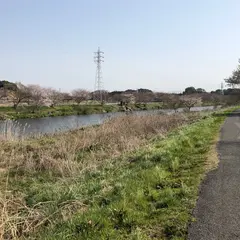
131	178
65	110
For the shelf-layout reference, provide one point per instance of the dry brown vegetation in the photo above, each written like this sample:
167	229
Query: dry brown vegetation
70	152
67	155
212	157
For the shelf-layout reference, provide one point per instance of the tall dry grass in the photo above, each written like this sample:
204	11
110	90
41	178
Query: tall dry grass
11	130
69	154
75	151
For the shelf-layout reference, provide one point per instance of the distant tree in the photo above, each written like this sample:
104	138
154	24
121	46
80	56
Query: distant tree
159	96
20	94
130	91
54	96
144	97
171	101
116	96
127	98
206	98
218	91
190	101
200	90
80	95
231	91
217	99
115	92
105	95
231	100
100	96
144	90
189	90
38	96
8	85
66	97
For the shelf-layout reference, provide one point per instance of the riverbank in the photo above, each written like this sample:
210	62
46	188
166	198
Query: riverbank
135	177
22	112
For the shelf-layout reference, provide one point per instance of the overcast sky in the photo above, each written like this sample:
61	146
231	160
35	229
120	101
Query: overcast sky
163	45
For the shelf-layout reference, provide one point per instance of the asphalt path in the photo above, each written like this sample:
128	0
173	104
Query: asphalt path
217	211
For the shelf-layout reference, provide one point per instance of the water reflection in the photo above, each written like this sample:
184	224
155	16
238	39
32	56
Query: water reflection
26	127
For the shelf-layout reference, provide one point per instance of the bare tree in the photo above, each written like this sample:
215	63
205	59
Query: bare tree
144	97
20	94
127	99
37	96
105	95
53	96
115	96
231	100
217	99
171	101
66	97
80	95
159	96
190	101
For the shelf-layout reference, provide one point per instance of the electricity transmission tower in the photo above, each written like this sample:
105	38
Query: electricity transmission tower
98	88
222	86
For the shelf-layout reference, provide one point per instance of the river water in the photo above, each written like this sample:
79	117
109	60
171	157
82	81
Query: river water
38	126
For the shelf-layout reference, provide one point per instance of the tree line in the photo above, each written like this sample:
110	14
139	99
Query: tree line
36	96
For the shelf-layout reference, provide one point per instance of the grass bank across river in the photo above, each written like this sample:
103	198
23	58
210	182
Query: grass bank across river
135	177
66	110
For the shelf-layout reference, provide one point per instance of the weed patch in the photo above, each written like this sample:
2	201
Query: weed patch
126	179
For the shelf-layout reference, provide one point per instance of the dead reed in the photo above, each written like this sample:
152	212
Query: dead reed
67	155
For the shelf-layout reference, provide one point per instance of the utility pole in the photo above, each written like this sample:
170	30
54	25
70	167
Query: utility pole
98	88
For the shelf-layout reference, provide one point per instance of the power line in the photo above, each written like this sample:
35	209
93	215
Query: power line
98	88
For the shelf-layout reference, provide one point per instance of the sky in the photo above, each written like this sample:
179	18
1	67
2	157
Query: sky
163	45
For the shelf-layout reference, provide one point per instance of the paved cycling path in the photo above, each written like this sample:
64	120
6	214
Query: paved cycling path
218	208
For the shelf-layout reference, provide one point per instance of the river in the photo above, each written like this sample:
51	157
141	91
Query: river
38	126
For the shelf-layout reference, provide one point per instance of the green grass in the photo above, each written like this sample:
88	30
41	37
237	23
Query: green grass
65	110
148	194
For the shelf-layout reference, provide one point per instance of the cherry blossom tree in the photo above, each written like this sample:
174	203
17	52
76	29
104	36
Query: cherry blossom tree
80	95
20	94
38	96
54	96
190	101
